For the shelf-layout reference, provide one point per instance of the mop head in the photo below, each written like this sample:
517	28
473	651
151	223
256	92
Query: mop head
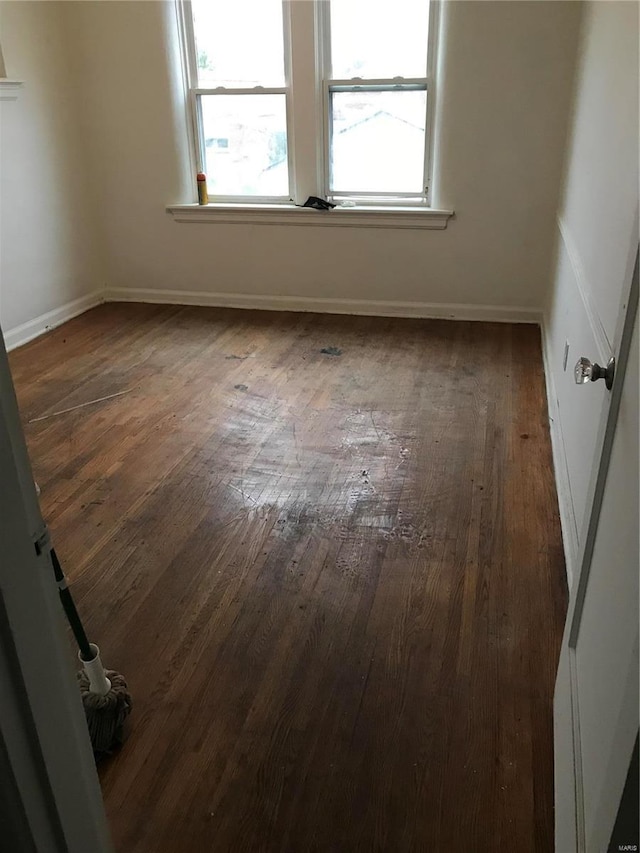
106	714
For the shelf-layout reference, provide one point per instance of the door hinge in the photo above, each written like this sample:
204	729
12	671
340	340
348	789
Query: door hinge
42	543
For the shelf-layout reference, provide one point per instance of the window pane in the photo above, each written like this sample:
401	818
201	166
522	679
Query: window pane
239	42
378	141
378	38
246	144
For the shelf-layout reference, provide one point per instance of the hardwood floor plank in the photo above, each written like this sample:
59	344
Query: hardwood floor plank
335	583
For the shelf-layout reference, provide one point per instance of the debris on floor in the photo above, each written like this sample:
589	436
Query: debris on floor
80	406
241	387
331	351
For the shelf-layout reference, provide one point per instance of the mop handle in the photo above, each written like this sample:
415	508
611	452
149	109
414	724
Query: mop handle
69	607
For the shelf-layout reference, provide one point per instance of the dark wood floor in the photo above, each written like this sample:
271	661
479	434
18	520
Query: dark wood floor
335	583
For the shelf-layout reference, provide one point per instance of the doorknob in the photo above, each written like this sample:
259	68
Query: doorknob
586	371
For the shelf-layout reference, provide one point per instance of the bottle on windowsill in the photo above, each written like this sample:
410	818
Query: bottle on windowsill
203	195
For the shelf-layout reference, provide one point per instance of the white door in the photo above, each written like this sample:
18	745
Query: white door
596	695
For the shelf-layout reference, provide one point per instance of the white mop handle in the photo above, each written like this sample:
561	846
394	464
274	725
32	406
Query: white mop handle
98	681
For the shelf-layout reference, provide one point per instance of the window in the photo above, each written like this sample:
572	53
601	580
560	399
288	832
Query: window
321	97
239	95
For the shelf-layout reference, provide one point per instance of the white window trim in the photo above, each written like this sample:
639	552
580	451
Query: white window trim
308	136
282	214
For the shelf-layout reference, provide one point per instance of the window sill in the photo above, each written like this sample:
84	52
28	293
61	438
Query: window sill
9	89
282	214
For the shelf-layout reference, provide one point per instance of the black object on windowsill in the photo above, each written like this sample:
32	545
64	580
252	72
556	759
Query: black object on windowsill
317	203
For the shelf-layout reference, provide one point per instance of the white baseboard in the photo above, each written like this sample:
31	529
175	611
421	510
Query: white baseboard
365	307
563	485
26	332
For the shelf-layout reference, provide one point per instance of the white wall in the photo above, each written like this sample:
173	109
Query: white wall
96	147
50	253
506	81
597	239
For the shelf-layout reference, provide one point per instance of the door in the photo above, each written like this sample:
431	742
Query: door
49	790
596	695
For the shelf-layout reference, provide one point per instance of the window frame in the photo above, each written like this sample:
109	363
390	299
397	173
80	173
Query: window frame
310	174
196	93
330	85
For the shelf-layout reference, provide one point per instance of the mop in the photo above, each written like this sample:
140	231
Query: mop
106	700
105	697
